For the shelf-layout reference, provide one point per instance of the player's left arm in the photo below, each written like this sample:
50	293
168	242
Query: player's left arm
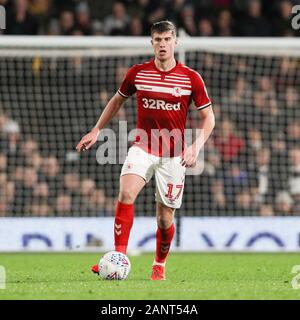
203	105
206	127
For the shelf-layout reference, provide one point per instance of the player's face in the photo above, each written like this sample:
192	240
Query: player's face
164	45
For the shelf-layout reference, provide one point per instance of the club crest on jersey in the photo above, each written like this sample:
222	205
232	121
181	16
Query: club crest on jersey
176	92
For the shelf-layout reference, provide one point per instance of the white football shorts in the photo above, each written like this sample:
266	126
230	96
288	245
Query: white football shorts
169	174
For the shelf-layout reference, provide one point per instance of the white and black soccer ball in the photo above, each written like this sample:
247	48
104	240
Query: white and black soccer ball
114	266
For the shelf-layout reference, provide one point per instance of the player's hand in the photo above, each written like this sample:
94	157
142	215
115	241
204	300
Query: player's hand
88	140
190	156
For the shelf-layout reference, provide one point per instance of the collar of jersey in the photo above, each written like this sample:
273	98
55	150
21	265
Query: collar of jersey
164	72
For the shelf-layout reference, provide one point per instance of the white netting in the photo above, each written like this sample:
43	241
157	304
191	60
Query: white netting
52	90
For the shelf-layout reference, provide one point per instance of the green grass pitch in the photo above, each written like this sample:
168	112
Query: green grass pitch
193	276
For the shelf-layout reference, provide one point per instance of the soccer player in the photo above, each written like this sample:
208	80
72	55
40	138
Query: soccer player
165	89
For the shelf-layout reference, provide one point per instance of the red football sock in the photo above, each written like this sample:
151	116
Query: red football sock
123	224
163	242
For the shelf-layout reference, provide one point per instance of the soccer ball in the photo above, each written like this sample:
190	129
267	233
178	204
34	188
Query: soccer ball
114	266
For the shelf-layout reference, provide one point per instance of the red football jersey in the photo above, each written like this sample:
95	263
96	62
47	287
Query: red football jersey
163	100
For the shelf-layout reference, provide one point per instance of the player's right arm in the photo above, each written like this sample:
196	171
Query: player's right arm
111	109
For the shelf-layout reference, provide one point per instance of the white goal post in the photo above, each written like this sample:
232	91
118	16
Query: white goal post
271	46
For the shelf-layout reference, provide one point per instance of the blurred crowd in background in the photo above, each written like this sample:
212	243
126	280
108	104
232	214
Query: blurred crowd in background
209	18
35	185
252	160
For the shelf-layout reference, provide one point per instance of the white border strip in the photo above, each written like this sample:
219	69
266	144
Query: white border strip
151	88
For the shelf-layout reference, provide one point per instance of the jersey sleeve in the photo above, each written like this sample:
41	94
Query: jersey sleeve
127	87
199	92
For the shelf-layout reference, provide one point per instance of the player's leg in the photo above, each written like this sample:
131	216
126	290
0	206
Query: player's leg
130	186
169	178
164	236
165	231
137	170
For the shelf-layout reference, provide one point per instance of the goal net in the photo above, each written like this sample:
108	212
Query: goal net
52	91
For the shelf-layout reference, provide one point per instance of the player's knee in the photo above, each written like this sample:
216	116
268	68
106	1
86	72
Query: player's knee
165	221
127	196
165	216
